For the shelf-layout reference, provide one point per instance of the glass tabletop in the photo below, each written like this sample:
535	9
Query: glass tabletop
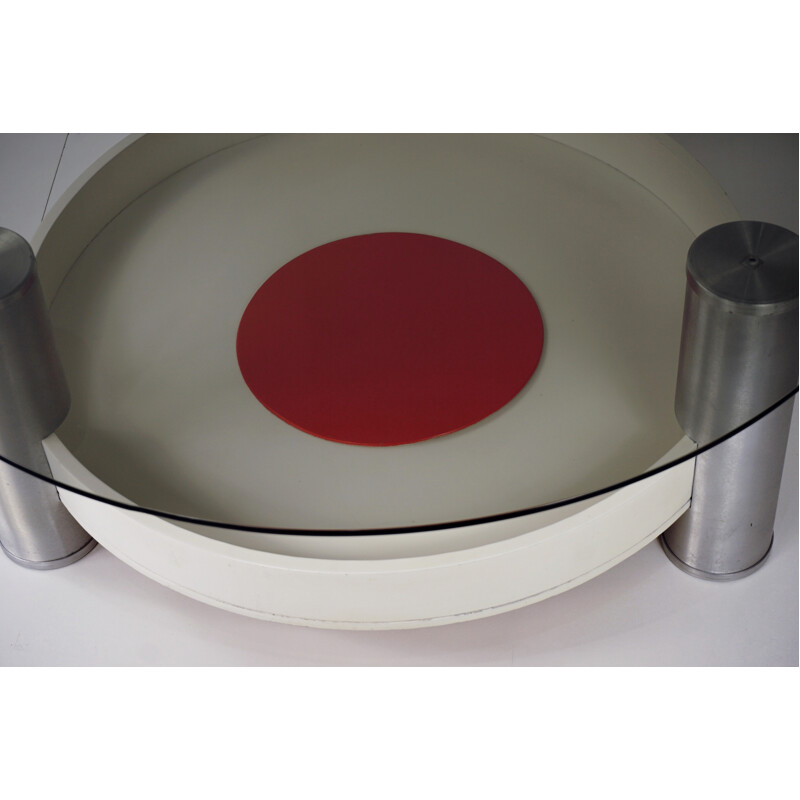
366	335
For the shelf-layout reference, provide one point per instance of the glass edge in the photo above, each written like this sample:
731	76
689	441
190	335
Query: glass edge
409	529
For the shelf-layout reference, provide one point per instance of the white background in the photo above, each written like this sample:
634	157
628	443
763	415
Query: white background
642	612
432	65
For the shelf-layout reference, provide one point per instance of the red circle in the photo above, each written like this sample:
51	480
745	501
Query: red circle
389	338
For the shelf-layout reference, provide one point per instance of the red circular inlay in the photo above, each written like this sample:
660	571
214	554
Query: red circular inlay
389	338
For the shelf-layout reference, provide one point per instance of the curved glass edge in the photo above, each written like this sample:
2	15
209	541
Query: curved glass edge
410	529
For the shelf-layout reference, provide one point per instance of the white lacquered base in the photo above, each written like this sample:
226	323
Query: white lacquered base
390	592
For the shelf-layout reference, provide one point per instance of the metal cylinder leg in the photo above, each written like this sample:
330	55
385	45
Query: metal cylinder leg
35	528
739	351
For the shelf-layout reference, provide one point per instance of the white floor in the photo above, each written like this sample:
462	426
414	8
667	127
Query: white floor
643	612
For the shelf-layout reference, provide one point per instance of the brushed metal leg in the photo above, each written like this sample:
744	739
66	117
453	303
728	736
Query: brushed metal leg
727	532
36	530
738	357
